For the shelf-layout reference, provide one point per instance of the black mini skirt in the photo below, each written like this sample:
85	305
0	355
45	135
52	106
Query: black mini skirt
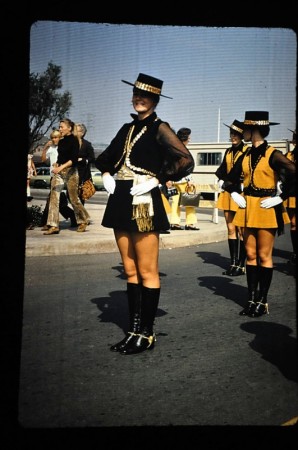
119	210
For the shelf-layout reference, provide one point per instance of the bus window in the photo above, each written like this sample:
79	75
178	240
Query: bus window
209	159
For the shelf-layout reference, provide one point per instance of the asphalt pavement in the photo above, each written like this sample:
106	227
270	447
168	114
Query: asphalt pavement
214	379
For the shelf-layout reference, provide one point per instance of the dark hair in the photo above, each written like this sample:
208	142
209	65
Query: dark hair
183	133
264	130
68	122
236	133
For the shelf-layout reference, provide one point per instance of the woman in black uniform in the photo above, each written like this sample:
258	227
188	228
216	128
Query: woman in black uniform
144	153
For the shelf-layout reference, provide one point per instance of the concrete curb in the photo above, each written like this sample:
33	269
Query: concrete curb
98	239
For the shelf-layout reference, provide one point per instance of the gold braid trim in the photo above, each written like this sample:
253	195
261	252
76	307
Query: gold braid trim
127	142
256	122
127	150
236	129
147	87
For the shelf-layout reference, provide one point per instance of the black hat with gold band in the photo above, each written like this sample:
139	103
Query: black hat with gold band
236	126
258	119
148	84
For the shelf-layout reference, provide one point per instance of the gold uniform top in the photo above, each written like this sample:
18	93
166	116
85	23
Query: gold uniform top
225	201
261	168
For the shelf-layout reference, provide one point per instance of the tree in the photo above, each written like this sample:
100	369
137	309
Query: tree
46	105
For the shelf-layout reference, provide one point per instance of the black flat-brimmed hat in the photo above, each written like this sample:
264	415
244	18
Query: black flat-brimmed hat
257	118
236	126
148	84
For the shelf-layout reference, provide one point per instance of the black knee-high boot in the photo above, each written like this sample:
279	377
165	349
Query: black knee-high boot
233	248
265	274
240	268
252	277
145	339
294	245
134	312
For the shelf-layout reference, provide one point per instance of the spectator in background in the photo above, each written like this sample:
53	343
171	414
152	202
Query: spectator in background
290	203
31	170
261	213
190	211
227	204
85	159
65	171
50	151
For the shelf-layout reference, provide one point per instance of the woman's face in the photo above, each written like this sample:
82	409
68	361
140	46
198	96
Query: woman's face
235	138
80	131
64	129
247	135
55	138
142	104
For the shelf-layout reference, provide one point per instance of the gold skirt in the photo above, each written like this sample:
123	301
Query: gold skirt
253	216
226	203
290	202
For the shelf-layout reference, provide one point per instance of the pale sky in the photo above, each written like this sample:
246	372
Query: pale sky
213	74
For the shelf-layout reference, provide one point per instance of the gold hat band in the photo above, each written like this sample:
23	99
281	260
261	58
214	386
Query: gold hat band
236	129
256	122
147	87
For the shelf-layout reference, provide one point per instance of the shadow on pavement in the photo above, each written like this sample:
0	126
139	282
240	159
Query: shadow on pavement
225	288
274	343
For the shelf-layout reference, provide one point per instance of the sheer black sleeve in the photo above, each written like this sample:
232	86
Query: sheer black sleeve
222	170
106	161
286	170
179	161
233	178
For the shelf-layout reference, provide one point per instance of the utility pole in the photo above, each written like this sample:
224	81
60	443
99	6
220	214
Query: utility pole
218	125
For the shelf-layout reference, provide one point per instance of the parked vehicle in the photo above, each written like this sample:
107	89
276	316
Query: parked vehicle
97	180
43	178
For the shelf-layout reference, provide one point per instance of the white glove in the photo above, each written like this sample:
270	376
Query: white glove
241	202
220	184
271	201
109	183
278	187
142	188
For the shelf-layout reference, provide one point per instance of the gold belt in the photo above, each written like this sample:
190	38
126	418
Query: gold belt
125	174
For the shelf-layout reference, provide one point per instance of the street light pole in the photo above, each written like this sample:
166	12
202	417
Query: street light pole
218	125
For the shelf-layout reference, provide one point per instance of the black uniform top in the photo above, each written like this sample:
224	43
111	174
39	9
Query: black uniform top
155	150
86	152
230	157
68	149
